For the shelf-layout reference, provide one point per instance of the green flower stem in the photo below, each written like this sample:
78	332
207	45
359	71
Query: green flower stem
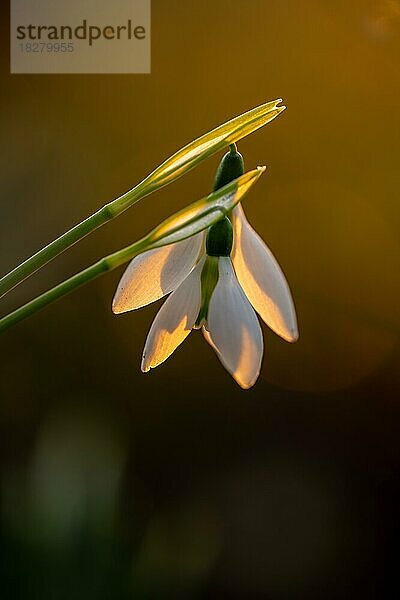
108	263
187	222
102	266
46	254
175	166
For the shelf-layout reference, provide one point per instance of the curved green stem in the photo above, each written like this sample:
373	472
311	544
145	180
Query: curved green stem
175	166
195	218
67	239
102	266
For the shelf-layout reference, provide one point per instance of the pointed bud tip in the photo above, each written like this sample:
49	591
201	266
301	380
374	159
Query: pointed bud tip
278	101
273	105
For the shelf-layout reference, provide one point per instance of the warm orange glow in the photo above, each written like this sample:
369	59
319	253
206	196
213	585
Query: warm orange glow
164	344
244	372
264	300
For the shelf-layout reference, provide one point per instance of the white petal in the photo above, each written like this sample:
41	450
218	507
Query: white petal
262	279
233	329
174	321
155	273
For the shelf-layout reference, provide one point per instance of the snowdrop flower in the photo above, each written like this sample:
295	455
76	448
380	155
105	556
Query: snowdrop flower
218	280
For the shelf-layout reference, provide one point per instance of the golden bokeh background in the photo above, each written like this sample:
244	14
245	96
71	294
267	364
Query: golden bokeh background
177	483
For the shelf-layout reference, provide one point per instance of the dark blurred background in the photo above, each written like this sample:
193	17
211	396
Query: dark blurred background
177	484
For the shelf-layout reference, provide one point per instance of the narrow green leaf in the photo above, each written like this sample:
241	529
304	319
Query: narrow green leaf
170	170
208	144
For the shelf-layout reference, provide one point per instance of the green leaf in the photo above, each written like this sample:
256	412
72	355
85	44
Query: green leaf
174	167
205	146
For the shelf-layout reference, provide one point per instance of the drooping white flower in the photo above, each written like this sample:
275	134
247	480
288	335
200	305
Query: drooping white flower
218	291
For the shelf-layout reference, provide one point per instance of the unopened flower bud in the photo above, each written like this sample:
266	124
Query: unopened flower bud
231	167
